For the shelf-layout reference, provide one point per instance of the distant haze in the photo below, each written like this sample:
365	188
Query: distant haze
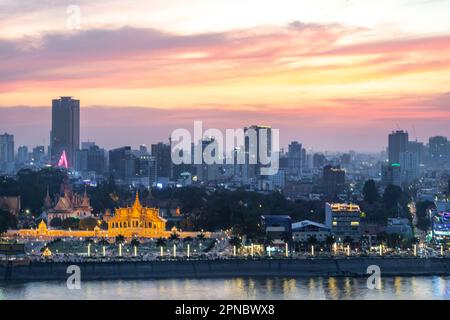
112	127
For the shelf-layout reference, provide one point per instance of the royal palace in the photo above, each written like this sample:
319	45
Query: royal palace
135	221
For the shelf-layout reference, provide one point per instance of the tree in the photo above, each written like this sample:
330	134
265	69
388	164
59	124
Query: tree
370	191
312	241
382	237
56	222
392	196
70	223
135	242
103	242
235	241
88	223
188	240
161	242
7	221
120	239
423	221
174	237
329	241
201	237
348	241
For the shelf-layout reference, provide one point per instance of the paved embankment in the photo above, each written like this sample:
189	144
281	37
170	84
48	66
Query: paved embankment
228	268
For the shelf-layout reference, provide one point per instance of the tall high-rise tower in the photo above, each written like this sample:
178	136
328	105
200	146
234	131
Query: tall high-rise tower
65	134
398	143
6	149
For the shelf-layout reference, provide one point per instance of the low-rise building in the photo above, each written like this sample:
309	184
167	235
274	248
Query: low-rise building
303	230
277	228
399	226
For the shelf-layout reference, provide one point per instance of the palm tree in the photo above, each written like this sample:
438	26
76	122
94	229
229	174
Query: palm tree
348	241
103	242
120	239
135	242
382	237
330	241
201	236
174	237
312	241
89	240
188	239
161	242
235	241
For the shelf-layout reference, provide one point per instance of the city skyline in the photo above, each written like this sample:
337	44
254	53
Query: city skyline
323	74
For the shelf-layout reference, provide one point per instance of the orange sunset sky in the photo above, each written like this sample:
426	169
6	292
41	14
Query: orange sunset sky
333	74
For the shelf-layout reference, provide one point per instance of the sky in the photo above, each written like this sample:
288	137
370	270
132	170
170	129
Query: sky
332	74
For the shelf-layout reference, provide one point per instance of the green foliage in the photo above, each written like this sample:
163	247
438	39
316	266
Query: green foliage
135	242
330	240
235	241
88	224
174	237
240	210
108	195
348	241
7	221
423	221
312	241
161	242
33	186
56	223
120	239
72	223
393	196
370	192
188	239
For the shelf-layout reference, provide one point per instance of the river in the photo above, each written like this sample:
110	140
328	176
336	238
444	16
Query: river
334	288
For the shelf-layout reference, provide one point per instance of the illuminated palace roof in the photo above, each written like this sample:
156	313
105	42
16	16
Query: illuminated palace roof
136	220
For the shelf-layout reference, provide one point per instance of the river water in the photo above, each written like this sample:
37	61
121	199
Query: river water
235	288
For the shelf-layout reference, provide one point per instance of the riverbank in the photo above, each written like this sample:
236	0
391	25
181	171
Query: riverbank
43	271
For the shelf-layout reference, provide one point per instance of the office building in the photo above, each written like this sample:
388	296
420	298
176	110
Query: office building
22	154
122	163
294	157
333	181
277	228
391	175
38	154
343	219
303	230
398	143
91	159
65	134
162	153
438	149
6	148
409	166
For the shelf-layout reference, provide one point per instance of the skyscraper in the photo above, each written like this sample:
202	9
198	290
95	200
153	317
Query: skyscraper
253	144
65	134
295	160
438	150
398	143
22	154
333	181
6	151
162	154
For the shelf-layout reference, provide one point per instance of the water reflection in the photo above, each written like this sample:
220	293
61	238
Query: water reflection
236	288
